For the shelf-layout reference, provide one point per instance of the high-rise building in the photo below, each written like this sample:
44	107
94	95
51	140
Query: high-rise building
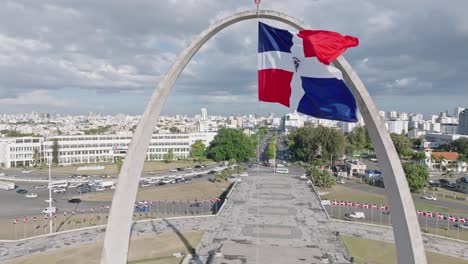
463	122
204	114
457	111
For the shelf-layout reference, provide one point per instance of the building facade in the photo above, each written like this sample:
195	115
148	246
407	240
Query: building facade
463	122
81	149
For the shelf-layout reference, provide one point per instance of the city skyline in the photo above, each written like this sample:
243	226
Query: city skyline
410	61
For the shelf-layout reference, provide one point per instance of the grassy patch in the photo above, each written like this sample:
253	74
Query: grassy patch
144	249
169	192
379	252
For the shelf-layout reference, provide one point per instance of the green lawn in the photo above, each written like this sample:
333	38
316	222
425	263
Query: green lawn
343	193
379	252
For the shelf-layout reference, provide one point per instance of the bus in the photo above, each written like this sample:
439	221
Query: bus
282	170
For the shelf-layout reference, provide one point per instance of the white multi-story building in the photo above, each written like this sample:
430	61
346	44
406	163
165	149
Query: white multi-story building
79	149
463	122
19	151
457	111
204	114
397	126
434	140
416	133
450	129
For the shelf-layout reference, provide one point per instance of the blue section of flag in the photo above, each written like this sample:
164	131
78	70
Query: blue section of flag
273	39
327	98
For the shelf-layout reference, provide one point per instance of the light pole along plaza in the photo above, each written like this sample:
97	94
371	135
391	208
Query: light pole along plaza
406	230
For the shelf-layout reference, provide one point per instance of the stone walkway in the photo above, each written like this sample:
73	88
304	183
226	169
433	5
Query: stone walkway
272	219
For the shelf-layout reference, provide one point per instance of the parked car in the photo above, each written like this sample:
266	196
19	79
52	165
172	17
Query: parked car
145	184
196	205
50	210
198	176
340	181
188	180
463	226
430	197
41	186
326	202
83	190
31	195
100	189
21	191
47	200
59	190
356	215
173	170
75	200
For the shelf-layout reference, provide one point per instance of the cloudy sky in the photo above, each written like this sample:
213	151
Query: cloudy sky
107	56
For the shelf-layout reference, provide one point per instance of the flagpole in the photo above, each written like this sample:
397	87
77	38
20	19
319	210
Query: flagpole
16	236
437	224
50	196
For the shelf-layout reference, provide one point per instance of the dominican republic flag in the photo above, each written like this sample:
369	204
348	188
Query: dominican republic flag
306	54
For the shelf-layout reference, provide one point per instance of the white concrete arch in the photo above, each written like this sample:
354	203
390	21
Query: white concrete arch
405	223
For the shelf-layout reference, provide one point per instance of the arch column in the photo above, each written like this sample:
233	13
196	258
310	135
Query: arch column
405	223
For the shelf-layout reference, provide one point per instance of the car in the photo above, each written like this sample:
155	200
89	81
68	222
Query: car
31	195
212	172
47	200
340	181
75	200
100	189
166	181
198	176
198	167
173	170
356	215
462	226
41	186
50	210
196	205
180	169
187	180
179	180
145	184
430	197
113	187
26	171
84	190
21	191
59	190
373	159
326	202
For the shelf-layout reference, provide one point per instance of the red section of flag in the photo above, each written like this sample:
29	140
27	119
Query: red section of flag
440	216
452	219
326	45
461	220
34	219
274	86
257	2
365	206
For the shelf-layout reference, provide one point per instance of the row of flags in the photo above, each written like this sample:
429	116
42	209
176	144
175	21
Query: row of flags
374	206
101	207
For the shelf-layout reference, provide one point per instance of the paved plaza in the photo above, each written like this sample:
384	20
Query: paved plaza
272	219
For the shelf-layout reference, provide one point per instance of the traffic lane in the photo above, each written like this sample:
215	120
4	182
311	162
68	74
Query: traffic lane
384	217
416	197
14	204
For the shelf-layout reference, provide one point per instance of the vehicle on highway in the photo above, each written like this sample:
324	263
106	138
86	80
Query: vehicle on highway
59	184
180	169
26	171
326	202
340	181
166	181
373	159
356	215
4	185
59	190
49	210
430	197
84	190
282	170
31	195
188	180
280	165
41	186
105	184
21	191
75	200
47	200
146	184
100	189
463	226
173	170
179	180
303	177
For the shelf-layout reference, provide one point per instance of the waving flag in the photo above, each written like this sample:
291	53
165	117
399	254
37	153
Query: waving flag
283	54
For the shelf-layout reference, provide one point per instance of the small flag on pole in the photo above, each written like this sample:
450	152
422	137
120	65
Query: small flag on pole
15	221
34	219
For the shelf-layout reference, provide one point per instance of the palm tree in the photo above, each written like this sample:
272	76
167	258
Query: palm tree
36	157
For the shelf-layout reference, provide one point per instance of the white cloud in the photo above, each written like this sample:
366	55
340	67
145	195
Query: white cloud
36	97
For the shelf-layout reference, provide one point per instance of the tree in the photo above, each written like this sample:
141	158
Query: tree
402	144
416	175
231	144
55	152
119	163
174	130
197	150
169	156
271	150
320	178
419	157
36	157
359	138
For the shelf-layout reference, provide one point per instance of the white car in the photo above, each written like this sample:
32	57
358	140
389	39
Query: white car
146	184
357	215
340	181
53	200
100	189
26	171
49	210
31	195
430	197
113	187
59	190
167	181
326	202
42	186
173	170
463	226
373	159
